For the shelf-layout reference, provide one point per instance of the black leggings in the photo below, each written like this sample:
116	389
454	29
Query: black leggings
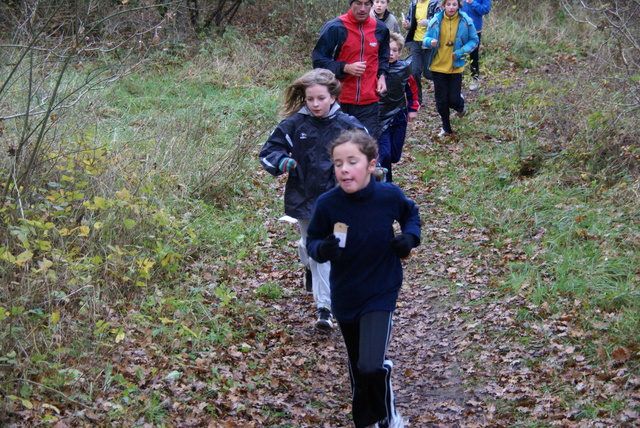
474	64
370	371
367	114
447	88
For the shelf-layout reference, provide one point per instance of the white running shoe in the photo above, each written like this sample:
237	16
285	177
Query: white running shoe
396	421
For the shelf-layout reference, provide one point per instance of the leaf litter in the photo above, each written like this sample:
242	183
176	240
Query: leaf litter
459	360
462	357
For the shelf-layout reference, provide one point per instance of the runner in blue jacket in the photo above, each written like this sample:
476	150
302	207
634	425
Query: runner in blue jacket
476	9
450	37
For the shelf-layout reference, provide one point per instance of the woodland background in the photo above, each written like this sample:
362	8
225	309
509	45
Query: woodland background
146	281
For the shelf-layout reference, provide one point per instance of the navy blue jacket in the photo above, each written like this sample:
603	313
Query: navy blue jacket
368	275
306	139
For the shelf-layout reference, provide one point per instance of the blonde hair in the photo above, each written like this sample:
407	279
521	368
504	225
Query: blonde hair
295	95
395	37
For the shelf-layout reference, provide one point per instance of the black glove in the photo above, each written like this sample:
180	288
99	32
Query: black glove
329	249
402	244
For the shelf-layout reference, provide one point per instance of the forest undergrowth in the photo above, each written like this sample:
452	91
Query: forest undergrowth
147	281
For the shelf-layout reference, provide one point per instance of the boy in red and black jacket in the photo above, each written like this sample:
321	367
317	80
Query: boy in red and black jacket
398	106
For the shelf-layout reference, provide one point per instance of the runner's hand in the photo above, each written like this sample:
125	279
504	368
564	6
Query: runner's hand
402	244
287	164
329	249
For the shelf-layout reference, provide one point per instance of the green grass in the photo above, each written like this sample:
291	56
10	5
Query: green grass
160	168
172	212
577	242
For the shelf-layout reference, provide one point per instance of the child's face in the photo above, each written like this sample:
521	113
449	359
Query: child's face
352	168
379	6
319	100
451	7
394	51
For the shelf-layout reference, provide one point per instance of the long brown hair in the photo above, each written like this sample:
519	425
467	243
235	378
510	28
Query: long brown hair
295	95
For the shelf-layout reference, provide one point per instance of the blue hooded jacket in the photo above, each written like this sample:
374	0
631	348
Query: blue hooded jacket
466	38
476	10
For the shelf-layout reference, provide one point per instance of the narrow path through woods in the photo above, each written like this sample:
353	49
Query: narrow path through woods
466	354
432	326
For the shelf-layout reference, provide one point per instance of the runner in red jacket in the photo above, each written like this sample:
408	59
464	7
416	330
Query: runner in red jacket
355	47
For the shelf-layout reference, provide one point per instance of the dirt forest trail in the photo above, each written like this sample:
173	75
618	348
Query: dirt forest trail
433	325
458	343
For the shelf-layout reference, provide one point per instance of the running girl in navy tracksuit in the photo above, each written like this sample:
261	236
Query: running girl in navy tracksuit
352	226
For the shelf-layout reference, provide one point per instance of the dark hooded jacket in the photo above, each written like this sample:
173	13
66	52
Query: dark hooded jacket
306	139
402	92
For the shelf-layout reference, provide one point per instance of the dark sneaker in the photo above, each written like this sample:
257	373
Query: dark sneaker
325	319
308	280
461	114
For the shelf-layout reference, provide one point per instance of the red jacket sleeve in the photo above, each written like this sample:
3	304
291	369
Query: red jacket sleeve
411	90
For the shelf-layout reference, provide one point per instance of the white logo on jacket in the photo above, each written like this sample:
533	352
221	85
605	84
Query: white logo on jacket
303	135
373	44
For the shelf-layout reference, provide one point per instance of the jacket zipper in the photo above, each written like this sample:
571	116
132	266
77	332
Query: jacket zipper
359	81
